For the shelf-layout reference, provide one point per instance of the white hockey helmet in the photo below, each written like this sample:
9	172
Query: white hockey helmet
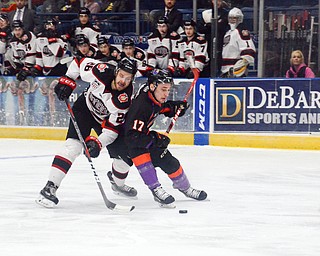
235	13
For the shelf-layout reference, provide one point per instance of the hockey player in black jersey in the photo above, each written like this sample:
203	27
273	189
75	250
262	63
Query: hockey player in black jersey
102	107
149	149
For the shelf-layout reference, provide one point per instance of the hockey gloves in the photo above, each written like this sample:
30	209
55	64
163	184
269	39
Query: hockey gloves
94	146
64	88
240	68
36	71
159	140
22	74
171	107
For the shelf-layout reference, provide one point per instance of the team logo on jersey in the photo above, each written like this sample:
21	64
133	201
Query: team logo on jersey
21	53
46	51
123	97
161	51
226	39
102	67
245	32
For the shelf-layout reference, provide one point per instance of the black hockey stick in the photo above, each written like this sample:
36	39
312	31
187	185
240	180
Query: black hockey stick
108	203
195	79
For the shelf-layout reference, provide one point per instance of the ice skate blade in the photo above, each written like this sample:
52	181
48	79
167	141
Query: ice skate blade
168	206
41	200
124	195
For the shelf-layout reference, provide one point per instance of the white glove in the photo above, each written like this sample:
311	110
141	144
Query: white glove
240	68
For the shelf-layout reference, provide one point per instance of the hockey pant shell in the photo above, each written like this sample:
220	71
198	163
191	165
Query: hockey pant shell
156	157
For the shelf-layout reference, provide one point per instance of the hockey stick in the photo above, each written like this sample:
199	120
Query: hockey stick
195	78
108	203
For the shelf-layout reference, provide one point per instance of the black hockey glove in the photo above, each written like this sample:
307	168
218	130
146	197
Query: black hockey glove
94	146
190	74
64	88
36	71
159	140
173	107
23	74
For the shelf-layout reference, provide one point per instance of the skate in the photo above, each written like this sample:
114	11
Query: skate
194	193
124	190
163	198
47	197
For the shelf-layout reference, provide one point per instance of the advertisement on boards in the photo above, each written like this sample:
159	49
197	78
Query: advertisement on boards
282	105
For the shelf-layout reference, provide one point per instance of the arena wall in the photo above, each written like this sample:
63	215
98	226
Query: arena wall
266	113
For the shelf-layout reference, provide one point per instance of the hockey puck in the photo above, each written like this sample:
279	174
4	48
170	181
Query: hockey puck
183	211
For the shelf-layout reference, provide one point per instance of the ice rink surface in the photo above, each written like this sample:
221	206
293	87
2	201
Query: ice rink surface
260	202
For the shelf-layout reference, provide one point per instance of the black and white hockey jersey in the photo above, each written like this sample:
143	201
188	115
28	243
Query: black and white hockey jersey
24	49
160	49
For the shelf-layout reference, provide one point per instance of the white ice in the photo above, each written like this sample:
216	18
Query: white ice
261	202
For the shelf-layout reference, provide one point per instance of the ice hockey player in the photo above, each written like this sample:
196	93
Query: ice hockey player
23	45
193	45
84	48
86	27
50	51
131	51
5	49
238	49
101	107
148	148
107	53
162	45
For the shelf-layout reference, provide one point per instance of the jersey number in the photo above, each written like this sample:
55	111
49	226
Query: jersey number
120	118
138	125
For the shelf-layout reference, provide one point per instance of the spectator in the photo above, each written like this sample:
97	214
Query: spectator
8	6
22	13
5	49
298	68
116	6
93	6
51	6
173	15
192	45
72	6
238	50
23	44
222	27
162	45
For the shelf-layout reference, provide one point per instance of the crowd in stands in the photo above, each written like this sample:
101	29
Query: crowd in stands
31	47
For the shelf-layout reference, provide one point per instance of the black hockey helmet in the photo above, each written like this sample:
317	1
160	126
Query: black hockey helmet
188	23
159	76
128	65
162	20
17	24
102	40
82	39
51	21
4	16
127	42
84	10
